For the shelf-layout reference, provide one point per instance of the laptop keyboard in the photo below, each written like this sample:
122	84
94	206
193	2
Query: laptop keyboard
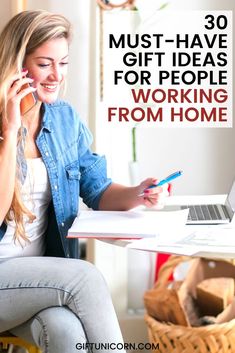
205	212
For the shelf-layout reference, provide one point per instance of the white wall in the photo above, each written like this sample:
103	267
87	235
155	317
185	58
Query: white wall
206	156
5	13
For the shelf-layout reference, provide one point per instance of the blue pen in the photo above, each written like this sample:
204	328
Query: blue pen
166	180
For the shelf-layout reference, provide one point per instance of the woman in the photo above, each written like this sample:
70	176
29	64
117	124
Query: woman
45	164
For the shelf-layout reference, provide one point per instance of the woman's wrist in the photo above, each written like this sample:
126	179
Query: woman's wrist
8	134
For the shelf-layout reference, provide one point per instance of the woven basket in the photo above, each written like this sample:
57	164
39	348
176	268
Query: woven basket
170	338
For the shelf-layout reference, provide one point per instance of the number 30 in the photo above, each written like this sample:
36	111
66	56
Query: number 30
220	22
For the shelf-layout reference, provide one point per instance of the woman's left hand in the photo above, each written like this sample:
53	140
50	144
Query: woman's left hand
154	197
122	198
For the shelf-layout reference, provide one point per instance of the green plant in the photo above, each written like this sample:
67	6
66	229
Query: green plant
163	6
135	8
133	135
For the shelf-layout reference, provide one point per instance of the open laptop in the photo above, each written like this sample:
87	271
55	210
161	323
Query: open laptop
212	213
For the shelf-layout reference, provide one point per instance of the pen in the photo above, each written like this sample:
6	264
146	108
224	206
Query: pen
165	181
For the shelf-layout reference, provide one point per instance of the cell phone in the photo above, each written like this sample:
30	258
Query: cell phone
28	102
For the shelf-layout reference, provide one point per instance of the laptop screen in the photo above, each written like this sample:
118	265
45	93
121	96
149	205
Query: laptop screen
231	197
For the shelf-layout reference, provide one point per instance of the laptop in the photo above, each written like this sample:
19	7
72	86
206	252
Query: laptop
212	213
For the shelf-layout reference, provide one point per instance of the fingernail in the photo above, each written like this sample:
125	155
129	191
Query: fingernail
146	191
24	70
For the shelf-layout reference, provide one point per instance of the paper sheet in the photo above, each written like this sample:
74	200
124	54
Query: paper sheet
129	224
154	246
207	241
211	236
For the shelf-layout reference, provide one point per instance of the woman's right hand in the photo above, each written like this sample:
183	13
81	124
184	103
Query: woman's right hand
11	121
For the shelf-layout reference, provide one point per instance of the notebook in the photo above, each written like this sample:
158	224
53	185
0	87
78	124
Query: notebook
134	224
212	213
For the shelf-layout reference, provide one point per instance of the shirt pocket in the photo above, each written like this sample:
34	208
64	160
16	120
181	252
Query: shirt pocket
73	178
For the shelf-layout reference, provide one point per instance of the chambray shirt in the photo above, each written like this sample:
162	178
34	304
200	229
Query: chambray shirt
73	170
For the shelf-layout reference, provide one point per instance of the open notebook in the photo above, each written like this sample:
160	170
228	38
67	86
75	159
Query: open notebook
134	224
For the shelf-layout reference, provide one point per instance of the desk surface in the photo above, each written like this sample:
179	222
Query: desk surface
195	199
217	241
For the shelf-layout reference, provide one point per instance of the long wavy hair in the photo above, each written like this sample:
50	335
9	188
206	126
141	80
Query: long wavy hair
23	34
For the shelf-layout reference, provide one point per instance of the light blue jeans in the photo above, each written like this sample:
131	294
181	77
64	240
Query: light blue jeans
58	304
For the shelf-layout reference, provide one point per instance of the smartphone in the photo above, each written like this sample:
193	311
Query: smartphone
28	102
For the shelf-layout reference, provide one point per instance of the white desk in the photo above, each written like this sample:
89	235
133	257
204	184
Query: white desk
217	241
195	199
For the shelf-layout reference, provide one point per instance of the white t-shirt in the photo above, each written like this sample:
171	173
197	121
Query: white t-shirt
36	196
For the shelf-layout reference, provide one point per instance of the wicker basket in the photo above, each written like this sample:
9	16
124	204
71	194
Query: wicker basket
170	338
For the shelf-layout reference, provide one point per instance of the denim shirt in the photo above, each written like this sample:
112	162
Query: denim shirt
73	171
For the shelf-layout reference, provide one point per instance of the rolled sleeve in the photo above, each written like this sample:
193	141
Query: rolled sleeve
94	180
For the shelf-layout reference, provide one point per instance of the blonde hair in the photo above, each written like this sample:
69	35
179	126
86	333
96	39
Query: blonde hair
23	34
